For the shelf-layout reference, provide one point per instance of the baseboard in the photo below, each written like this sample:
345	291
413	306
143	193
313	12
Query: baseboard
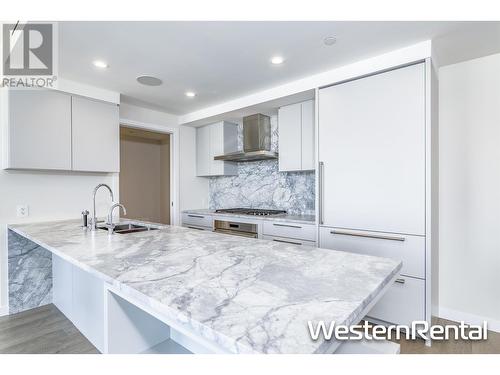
4	310
458	316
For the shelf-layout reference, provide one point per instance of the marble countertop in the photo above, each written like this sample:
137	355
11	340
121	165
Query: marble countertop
300	219
245	295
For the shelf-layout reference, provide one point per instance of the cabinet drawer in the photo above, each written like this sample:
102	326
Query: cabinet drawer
403	303
290	230
197	227
290	241
197	220
409	249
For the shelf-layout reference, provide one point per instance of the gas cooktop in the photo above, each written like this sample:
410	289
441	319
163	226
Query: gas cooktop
250	211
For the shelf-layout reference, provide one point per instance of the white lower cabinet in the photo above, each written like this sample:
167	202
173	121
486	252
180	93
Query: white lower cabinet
290	241
88	306
197	221
80	297
197	227
287	229
62	286
404	302
408	249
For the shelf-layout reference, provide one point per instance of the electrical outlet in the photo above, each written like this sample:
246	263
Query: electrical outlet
23	210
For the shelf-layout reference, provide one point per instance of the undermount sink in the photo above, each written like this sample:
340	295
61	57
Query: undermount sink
130	228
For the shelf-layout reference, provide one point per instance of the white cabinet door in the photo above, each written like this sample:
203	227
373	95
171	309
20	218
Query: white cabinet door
216	148
62	286
403	303
307	144
197	220
372	143
203	151
96	136
214	140
296	136
290	230
80	297
289	137
39	130
408	249
88	306
290	241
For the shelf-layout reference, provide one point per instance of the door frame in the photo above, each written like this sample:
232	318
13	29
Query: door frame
174	161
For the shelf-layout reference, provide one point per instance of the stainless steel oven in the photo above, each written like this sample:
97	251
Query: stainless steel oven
235	228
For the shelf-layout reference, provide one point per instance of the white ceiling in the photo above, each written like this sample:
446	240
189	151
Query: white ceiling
224	60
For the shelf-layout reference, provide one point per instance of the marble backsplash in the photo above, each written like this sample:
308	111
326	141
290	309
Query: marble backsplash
259	184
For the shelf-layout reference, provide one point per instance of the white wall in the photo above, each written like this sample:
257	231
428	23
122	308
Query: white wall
470	190
146	115
50	196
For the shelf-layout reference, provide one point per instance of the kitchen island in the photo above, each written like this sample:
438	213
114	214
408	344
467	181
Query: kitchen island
200	291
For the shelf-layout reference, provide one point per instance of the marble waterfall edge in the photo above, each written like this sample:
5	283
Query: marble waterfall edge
30	274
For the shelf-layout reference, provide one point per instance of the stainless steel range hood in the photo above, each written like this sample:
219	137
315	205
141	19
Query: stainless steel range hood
256	141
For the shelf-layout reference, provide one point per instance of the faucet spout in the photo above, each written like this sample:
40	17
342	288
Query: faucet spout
94	218
109	223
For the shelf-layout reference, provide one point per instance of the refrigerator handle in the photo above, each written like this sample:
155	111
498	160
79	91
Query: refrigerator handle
320	192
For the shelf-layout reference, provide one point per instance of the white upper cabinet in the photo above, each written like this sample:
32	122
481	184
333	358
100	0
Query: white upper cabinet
95	136
51	130
296	136
37	129
289	137
203	151
214	140
372	144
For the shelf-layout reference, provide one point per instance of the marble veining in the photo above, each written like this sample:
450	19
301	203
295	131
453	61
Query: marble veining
259	184
246	295
30	274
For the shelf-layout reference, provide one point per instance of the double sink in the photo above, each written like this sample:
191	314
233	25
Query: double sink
129	228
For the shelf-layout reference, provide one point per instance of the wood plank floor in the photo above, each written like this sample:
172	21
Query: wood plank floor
490	346
46	330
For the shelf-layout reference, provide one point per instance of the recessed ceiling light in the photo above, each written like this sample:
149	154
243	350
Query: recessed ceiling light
100	64
329	40
277	60
149	80
190	94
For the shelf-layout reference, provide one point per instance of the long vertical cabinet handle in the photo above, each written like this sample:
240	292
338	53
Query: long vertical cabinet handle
320	192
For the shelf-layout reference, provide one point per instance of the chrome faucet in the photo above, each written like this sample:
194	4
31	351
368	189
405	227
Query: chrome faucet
93	225
109	223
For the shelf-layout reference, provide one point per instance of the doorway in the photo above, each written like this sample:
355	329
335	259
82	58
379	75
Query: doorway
145	174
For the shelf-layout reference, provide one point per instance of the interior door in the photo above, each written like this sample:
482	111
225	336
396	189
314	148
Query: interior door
372	144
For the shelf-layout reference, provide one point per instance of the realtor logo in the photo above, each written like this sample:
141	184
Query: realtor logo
28	49
29	55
